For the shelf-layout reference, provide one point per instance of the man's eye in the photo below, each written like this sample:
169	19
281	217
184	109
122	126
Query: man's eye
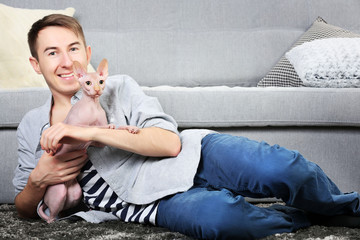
73	49
88	83
52	54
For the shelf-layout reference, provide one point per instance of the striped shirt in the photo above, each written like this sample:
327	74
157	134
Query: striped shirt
99	196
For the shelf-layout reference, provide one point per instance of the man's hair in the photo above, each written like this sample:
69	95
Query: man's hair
57	20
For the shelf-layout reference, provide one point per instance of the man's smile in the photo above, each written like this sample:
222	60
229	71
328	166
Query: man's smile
66	75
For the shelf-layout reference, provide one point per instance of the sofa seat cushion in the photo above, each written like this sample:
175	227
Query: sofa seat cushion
222	106
18	102
208	107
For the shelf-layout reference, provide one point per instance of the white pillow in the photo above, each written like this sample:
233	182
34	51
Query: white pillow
15	68
331	62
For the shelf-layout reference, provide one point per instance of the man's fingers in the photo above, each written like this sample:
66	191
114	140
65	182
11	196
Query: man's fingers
77	155
51	137
71	162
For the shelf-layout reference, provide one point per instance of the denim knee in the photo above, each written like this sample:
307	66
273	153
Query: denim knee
299	177
281	175
205	214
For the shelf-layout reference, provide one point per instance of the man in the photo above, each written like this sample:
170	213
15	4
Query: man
195	186
54	49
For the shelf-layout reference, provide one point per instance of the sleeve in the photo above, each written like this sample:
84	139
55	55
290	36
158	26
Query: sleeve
143	110
26	158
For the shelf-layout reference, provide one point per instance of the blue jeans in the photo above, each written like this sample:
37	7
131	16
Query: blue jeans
232	168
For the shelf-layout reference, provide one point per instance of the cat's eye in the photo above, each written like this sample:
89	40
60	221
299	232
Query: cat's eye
101	82
88	83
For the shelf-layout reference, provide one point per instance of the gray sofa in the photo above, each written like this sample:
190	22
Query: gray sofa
203	60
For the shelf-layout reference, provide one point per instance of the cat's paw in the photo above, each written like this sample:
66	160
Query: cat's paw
130	129
133	130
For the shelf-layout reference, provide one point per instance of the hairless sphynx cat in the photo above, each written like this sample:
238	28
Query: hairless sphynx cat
86	112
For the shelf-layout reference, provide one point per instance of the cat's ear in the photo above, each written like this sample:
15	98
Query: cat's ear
78	69
102	69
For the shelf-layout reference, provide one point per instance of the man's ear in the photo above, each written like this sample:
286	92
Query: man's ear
88	54
35	64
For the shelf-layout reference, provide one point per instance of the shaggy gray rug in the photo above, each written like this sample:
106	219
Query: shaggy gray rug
12	227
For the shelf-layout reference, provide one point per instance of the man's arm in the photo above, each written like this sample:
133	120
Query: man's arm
50	170
152	141
27	200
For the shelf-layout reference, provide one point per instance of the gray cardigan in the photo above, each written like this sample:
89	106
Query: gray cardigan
136	179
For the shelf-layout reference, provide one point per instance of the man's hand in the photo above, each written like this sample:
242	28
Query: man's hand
50	170
60	133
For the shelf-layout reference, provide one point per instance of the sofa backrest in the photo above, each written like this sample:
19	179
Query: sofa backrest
197	43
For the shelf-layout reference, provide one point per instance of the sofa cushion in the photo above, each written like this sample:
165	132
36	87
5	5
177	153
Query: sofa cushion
8	162
15	68
208	107
15	103
283	73
331	62
194	43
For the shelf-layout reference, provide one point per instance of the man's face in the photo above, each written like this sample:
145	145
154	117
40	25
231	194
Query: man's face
57	48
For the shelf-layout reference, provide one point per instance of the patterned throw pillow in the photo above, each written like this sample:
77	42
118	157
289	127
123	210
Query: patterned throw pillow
283	73
329	62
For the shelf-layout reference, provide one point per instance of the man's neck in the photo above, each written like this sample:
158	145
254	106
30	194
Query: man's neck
60	108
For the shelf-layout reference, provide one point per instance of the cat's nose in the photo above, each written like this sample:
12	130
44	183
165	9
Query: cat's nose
97	88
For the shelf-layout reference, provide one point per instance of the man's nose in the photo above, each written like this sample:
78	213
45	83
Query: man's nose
66	61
